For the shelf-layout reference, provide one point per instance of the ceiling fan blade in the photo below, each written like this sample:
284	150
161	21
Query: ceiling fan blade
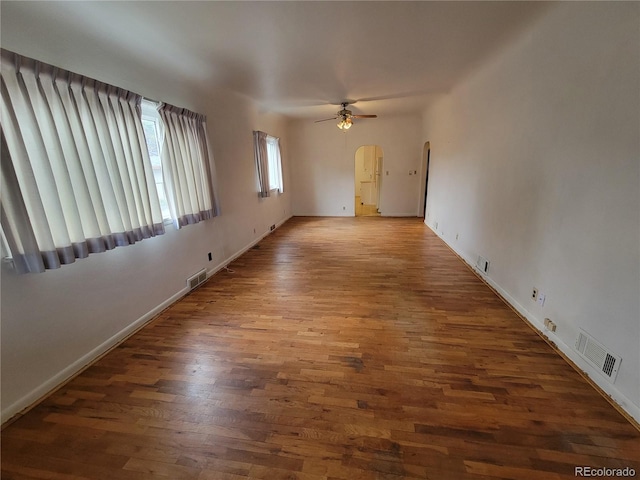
364	116
326	119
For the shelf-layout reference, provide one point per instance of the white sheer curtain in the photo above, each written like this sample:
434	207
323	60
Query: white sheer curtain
275	164
76	176
187	166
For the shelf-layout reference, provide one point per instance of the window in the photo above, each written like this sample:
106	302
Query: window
153	135
268	163
180	154
87	166
187	165
275	163
76	178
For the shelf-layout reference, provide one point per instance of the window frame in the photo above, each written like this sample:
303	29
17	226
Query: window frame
149	113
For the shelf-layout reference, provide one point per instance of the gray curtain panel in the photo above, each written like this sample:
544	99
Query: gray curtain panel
76	174
262	162
187	166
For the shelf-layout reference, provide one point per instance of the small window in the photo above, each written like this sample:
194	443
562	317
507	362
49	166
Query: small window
275	163
153	134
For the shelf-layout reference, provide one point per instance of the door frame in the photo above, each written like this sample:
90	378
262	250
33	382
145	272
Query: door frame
424	186
374	166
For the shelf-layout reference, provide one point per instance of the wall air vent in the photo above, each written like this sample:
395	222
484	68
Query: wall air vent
605	362
196	280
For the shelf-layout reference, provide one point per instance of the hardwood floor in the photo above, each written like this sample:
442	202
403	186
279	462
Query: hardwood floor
339	348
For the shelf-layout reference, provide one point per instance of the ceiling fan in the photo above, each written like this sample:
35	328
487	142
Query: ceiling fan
346	117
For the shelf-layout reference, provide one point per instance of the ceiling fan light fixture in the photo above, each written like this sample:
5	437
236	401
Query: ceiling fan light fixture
345	117
345	123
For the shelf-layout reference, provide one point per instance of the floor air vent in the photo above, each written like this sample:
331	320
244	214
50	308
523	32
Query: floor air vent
598	356
197	279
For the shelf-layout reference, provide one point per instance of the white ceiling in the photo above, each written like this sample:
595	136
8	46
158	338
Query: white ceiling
300	58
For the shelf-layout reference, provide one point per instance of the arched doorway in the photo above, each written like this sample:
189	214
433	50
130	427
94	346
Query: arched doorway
368	180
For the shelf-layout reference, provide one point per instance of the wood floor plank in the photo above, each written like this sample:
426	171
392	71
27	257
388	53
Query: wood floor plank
337	349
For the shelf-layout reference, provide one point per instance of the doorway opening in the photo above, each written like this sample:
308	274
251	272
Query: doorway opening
368	180
424	190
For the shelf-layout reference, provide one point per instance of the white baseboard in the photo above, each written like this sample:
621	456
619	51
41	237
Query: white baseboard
324	215
73	369
244	249
31	399
401	214
621	400
45	389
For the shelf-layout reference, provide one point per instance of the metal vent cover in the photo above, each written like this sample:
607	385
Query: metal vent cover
597	355
196	280
609	364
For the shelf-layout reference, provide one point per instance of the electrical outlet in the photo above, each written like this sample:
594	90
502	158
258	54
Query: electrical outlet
210	257
534	294
549	325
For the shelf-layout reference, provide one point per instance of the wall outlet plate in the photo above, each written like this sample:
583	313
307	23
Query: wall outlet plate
549	325
541	299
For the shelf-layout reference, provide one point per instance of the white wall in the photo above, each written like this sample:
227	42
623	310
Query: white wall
56	322
535	166
323	165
